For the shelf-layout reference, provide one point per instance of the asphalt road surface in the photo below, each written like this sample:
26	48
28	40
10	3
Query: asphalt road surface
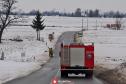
51	71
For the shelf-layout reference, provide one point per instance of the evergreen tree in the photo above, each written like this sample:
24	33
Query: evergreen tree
78	12
38	24
96	13
90	13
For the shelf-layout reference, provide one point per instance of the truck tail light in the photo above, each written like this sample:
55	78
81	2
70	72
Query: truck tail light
62	68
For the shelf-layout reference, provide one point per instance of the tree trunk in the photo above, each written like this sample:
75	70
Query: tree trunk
0	37
1	32
37	35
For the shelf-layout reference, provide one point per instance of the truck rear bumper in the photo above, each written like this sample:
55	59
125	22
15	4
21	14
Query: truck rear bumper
76	70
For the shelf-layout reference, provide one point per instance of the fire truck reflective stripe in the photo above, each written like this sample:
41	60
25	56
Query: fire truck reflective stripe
77	69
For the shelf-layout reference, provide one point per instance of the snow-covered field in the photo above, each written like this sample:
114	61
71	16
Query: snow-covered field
110	45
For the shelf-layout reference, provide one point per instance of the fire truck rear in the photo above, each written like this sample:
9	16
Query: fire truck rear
77	58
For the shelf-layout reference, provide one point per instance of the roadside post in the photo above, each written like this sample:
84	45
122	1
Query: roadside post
22	56
2	56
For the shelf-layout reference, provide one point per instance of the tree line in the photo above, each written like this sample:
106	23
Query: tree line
79	13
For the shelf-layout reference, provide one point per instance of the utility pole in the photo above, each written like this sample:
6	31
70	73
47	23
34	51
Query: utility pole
87	22
81	33
82	23
87	18
82	14
96	24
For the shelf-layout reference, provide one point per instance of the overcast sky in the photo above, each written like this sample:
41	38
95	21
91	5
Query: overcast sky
71	5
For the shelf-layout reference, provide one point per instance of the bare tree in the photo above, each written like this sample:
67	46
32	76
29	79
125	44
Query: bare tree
119	20
118	23
6	8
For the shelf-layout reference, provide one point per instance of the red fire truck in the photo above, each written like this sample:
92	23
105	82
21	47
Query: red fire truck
77	58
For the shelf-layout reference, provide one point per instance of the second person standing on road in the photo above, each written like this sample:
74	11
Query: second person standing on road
50	44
